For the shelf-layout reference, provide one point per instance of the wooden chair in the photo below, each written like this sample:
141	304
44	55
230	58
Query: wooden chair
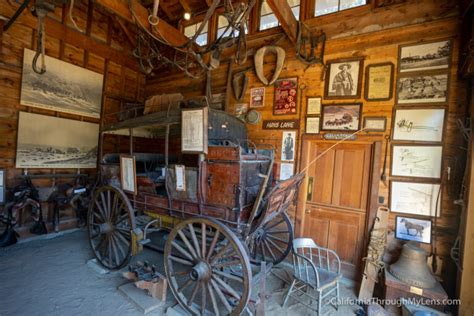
316	274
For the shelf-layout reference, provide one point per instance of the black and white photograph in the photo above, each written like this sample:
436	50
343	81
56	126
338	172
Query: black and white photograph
422	125
341	117
415	198
53	142
63	87
343	79
416	161
288	145
418	89
408	228
425	56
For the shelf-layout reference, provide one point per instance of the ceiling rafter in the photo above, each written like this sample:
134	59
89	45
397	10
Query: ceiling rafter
285	16
163	30
186	6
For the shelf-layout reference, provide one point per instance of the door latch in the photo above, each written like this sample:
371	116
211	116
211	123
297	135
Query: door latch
309	192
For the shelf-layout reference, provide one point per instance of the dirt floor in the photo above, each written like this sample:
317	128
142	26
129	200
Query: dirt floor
49	276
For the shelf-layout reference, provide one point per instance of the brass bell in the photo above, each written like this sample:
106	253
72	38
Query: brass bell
412	268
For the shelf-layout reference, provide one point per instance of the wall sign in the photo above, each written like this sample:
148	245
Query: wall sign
338	136
281	124
257	97
285	96
194	130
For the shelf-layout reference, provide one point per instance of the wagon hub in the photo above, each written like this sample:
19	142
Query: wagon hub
106	228
201	271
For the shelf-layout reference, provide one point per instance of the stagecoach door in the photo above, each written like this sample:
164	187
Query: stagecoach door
338	199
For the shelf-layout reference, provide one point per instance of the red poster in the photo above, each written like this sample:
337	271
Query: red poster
285	96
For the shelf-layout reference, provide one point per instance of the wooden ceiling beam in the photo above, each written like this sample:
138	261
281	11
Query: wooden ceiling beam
164	30
209	3
185	5
285	16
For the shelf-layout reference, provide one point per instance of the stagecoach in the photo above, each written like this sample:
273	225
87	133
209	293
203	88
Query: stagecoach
224	210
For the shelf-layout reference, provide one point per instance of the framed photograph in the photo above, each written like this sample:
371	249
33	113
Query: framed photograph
286	170
408	228
425	56
194	130
313	105
375	123
312	124
286	91
257	97
341	117
422	89
288	145
379	82
415	198
416	161
344	78
2	186
421	125
128	174
45	141
64	87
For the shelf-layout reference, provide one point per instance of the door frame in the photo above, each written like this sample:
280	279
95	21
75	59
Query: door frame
373	190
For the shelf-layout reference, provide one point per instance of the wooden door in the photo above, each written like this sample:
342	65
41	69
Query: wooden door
337	202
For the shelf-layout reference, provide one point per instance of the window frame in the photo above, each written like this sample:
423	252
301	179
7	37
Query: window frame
195	20
312	9
259	16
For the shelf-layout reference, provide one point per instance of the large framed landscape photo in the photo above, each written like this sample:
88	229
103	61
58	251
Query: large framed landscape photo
425	56
341	117
53	142
63	87
422	89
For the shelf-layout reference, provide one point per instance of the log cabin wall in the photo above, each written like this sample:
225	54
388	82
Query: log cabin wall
101	48
375	35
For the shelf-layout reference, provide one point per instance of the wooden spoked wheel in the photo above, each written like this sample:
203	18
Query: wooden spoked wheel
109	222
207	268
272	241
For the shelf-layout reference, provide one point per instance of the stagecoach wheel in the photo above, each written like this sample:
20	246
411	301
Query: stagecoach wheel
272	241
109	222
207	268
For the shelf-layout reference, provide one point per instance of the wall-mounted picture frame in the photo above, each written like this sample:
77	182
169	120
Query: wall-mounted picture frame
417	198
257	97
415	229
341	117
128	174
313	124
313	105
379	82
421	88
375	123
424	56
418	124
286	96
288	145
2	186
416	161
286	170
194	128
343	78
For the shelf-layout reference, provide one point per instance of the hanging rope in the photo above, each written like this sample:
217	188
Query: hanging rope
40	50
71	7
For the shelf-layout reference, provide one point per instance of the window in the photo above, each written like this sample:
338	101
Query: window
222	27
330	6
190	30
268	20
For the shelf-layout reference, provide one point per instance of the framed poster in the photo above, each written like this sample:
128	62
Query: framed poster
341	117
286	170
375	123
344	78
63	87
257	97
286	91
424	56
313	105
312	124
128	174
288	145
180	172
2	186
422	89
422	125
416	161
51	142
415	198
194	130
408	228
379	82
